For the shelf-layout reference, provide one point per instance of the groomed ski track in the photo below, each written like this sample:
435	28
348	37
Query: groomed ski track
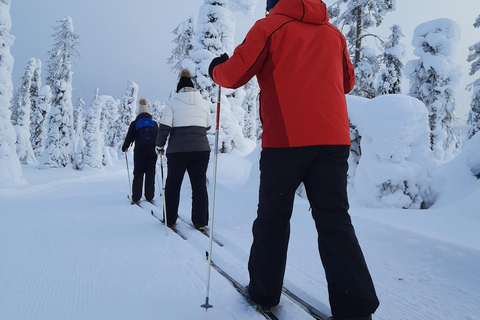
72	247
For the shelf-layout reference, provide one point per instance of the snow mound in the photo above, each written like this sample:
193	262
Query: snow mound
396	166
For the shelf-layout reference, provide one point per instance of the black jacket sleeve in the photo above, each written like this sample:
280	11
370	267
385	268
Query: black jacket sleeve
162	135
130	138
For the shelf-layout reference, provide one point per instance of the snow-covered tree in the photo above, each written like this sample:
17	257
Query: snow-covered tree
359	16
35	86
250	106
184	32
474	114
21	106
366	74
108	121
215	36
78	142
231	135
59	148
245	6
397	167
126	114
10	168
156	109
109	117
434	79
39	125
390	79
78	114
93	151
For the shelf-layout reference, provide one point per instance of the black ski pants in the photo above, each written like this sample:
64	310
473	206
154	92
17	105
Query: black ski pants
323	170
196	164
144	163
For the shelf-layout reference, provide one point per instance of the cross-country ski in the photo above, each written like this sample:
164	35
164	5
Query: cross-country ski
267	313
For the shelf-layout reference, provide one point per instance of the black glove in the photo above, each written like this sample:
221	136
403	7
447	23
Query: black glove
124	149
215	62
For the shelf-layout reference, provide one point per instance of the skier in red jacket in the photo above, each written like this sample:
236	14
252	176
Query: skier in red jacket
304	71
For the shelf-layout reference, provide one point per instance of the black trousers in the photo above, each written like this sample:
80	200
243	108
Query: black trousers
323	170
195	163
144	162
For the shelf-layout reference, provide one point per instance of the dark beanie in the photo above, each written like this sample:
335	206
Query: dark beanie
271	4
185	80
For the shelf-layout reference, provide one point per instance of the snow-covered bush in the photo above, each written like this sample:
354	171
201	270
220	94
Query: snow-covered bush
397	166
470	155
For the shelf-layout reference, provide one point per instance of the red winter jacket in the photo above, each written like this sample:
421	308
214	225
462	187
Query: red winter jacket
304	71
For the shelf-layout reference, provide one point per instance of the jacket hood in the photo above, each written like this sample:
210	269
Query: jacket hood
309	11
189	97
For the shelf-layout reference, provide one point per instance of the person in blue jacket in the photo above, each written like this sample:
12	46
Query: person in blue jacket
142	131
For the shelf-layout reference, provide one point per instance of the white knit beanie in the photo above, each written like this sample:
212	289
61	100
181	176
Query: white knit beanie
142	106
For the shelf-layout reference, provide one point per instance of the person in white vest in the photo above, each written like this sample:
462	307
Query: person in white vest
185	122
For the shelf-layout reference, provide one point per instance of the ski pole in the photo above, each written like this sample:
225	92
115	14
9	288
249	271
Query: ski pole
206	305
129	182
163	197
158	183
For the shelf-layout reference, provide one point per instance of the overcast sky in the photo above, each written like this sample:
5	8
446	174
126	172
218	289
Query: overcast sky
125	39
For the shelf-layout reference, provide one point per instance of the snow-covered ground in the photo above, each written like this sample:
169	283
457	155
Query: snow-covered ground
72	247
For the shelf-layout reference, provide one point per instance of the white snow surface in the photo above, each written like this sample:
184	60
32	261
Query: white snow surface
72	247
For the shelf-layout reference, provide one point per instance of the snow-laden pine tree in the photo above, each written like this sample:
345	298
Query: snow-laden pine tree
434	79
366	73
39	118
10	167
35	86
126	114
215	36
359	16
78	114
250	106
245	6
474	115
21	107
156	109
59	147
93	150
36	119
185	31
390	79
110	117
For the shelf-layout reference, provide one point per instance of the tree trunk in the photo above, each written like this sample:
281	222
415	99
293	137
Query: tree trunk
358	39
